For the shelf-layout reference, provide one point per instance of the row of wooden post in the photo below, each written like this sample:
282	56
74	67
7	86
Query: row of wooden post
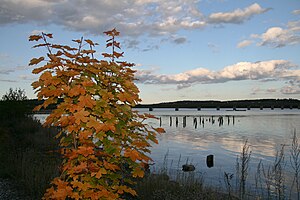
202	120
235	109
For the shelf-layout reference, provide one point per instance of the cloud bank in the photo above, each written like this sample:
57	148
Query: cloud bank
272	70
276	37
238	16
132	18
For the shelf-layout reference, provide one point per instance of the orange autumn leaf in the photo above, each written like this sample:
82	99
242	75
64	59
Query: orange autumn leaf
159	130
123	188
84	135
63	189
90	42
76	90
87	83
109	127
86	101
118	55
81	186
82	167
100	172
113	32
122	96
93	123
81	116
131	191
107	114
110	166
49	35
138	172
35	37
85	151
132	154
35	61
53	58
107	55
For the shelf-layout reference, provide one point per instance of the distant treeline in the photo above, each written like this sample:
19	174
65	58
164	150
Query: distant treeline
258	103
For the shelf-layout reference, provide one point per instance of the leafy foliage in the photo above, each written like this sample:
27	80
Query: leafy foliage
14	95
13	105
103	141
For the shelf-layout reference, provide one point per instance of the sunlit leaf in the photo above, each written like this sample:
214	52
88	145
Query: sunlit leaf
85	151
100	172
81	116
35	37
90	42
138	172
35	61
49	35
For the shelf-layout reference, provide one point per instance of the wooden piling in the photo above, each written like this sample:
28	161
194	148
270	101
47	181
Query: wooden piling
184	121
210	161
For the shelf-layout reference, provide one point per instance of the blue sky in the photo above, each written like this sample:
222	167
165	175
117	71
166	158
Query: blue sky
183	50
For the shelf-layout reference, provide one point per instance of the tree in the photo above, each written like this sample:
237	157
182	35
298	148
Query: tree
14	95
13	105
103	141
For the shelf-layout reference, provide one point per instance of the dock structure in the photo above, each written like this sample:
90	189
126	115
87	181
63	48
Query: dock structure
237	107
261	108
182	120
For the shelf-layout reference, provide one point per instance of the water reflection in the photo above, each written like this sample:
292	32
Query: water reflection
197	134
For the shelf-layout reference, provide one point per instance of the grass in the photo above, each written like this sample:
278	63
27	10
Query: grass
28	154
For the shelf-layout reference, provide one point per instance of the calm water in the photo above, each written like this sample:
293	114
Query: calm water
266	131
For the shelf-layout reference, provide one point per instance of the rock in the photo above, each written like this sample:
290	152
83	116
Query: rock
188	168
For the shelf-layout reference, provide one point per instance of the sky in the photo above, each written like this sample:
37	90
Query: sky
182	49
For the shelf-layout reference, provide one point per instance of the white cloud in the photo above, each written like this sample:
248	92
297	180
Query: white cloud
264	71
276	36
237	16
244	43
132	18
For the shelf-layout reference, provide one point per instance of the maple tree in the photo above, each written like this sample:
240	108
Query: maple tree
104	142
